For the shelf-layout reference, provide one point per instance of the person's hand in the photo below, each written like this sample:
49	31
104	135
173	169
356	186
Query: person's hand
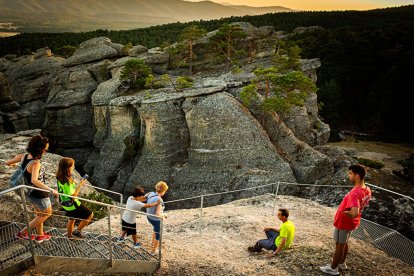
54	192
270	255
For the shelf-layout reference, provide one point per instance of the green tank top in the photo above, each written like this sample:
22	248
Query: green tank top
67	189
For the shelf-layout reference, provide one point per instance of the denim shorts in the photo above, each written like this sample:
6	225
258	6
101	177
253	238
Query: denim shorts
40	203
156	224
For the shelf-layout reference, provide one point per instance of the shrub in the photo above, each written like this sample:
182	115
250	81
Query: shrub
135	73
370	163
184	82
99	211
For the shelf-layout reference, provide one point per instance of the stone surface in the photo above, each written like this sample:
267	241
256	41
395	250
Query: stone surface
94	50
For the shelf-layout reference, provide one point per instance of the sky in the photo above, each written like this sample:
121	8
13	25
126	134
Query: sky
319	4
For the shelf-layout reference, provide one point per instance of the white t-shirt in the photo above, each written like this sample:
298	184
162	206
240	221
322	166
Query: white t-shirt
132	204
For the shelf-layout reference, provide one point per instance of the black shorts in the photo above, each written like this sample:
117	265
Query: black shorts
130	228
81	212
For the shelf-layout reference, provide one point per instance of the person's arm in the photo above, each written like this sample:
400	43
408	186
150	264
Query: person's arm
15	160
35	178
149	205
271	228
79	187
280	247
352	213
158	212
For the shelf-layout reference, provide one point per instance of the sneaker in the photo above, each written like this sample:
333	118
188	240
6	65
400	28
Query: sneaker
328	270
78	234
42	238
343	266
25	236
253	250
137	245
120	239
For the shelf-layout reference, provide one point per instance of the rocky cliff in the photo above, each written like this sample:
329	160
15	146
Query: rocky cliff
199	139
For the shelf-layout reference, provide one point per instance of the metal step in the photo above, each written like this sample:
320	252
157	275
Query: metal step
12	250
90	253
140	254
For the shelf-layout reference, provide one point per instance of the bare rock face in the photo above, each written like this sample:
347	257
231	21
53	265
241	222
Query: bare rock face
68	110
31	74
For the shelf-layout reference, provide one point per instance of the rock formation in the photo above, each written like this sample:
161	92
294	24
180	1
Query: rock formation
200	139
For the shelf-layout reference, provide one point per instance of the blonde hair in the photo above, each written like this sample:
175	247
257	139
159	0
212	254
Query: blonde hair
161	187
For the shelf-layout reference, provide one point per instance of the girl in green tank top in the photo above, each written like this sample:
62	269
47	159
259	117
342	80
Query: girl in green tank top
73	207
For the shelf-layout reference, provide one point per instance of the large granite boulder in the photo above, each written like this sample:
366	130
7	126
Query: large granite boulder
205	144
93	50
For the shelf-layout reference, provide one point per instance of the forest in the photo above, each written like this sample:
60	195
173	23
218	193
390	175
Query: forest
364	81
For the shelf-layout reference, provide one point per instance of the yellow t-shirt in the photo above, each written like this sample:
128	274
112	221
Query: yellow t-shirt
287	230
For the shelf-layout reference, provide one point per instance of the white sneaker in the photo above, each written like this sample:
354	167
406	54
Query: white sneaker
343	266
328	270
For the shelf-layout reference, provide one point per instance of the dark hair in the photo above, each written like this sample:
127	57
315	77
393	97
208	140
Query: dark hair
138	191
359	170
284	212
63	174
36	146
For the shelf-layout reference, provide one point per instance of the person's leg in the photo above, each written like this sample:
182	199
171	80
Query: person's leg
338	255
37	222
271	234
134	238
157	228
153	239
71	225
345	253
268	243
123	233
85	222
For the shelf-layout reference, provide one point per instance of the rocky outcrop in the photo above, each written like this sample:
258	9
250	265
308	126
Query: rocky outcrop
31	74
199	139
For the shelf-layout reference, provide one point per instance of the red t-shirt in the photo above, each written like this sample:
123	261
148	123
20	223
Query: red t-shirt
357	197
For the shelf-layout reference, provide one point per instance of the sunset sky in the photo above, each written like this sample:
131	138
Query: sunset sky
319	4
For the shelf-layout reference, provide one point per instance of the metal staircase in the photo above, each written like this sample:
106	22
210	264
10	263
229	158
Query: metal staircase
59	254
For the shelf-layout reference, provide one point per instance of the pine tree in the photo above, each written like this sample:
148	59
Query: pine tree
188	36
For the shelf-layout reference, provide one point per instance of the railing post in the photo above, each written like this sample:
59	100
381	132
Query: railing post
402	215
274	200
29	231
160	245
109	236
201	213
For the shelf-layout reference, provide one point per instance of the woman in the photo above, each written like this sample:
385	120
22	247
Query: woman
73	207
35	174
160	190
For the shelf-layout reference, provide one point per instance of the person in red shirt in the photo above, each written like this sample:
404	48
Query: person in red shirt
348	218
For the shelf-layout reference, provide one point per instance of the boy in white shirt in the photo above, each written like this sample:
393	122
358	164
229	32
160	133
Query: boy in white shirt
129	225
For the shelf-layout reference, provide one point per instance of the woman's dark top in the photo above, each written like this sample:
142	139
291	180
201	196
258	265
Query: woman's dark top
34	193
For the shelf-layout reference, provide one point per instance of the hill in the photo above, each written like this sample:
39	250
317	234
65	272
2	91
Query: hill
81	15
220	248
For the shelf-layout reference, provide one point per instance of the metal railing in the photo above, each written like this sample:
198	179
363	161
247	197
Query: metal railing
121	196
109	208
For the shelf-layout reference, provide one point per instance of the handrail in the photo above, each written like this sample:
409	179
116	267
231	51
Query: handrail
121	196
377	187
76	197
256	187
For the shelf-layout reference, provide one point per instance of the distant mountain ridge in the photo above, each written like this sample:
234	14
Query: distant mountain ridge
81	15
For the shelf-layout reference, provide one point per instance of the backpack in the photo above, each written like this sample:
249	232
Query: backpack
18	178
